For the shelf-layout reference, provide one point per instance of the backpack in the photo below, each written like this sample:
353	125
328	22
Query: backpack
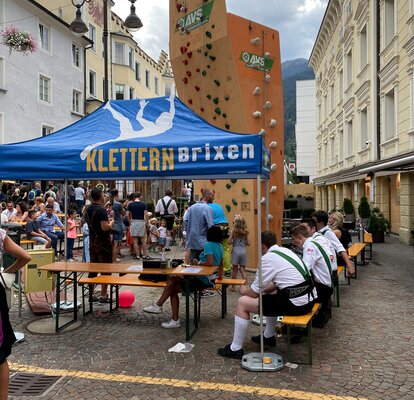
32	195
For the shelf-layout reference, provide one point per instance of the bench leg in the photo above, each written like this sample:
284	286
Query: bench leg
309	329
223	301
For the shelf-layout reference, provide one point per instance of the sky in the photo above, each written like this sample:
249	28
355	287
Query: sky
297	21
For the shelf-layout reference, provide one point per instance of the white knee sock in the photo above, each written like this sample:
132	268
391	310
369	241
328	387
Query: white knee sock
167	241
240	330
270	327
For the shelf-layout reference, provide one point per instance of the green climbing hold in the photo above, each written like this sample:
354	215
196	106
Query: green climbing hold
217	110
244	190
208	34
228	208
209	46
228	186
234	201
224	115
204	73
217	82
216	100
227	126
233	180
227	98
212	58
209	96
205	53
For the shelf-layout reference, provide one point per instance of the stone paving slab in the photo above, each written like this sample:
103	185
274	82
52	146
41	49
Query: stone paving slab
365	352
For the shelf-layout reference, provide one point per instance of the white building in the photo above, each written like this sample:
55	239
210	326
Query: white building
44	91
305	130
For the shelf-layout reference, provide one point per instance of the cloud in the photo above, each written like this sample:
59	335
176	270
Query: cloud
297	21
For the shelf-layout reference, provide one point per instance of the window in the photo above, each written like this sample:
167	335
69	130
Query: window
119	91
389	115
332	145
76	55
147	79
130	186
119	53
332	90
364	128
131	57
156	85
138	71
92	36
92	83
350	138
389	21
349	68
341	145
76	101
44	37
131	93
44	89
341	84
363	47
47	130
120	186
168	88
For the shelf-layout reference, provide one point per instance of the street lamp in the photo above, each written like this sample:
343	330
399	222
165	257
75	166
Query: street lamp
79	27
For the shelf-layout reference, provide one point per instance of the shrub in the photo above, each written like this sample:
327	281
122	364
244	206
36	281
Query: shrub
364	210
288	204
299	196
295	213
377	222
290	196
307	212
347	206
309	198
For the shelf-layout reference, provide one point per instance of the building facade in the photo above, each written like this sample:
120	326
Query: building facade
305	130
363	60
43	91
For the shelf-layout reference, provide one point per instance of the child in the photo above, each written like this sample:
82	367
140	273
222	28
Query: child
71	233
162	235
153	234
239	240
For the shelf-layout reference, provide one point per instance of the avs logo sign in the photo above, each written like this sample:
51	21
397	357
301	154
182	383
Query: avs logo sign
257	62
196	18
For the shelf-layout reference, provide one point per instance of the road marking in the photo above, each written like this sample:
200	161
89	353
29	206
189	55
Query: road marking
195	385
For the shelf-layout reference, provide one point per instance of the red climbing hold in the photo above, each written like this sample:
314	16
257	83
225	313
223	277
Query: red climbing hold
185	80
188	73
197	88
190	101
189	54
185	62
198	69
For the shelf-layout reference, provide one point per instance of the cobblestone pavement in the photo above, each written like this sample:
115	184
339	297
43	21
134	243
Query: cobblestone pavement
366	351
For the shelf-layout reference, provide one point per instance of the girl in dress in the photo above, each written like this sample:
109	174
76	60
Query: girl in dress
7	337
239	239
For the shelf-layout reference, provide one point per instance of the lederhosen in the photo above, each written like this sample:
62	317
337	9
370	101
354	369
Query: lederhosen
169	218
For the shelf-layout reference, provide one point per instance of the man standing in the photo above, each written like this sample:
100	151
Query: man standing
219	218
197	220
80	197
100	246
288	291
321	219
167	208
47	222
318	258
117	230
137	215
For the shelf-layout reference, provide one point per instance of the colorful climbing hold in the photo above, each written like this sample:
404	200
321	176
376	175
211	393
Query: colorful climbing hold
227	98
189	54
204	73
208	34
216	100
212	58
227	126
228	208
233	180
202	109
190	101
213	181
209	46
188	73
197	88
234	201
209	96
205	53
245	191
224	115
228	186
185	62
185	80
217	82
217	110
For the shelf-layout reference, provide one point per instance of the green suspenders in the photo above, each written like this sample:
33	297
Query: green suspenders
303	270
325	256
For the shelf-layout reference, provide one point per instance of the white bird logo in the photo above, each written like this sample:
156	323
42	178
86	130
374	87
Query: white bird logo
162	124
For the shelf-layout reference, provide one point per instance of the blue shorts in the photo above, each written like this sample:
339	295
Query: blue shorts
117	236
39	239
162	241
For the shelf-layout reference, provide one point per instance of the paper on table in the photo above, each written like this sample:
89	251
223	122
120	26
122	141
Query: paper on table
135	268
191	270
181	348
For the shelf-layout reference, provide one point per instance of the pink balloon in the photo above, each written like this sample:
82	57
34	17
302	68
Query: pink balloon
126	299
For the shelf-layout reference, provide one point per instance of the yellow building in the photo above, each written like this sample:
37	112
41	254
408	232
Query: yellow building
363	60
131	72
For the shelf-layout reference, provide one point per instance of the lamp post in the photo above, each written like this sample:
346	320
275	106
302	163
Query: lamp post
78	26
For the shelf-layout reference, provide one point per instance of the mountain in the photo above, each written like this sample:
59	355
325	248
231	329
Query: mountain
292	71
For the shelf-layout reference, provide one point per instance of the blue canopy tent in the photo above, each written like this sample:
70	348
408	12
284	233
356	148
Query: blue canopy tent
158	138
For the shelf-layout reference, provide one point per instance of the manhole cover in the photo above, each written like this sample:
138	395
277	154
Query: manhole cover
22	384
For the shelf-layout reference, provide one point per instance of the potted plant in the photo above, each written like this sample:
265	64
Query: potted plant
378	226
348	209
18	40
364	211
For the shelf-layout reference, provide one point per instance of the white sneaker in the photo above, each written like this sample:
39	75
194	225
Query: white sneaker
171	324
154	309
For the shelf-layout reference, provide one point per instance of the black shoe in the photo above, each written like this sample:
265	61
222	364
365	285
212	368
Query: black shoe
268	341
167	249
226	351
135	257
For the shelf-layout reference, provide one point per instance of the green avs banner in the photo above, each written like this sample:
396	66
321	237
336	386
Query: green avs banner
194	19
257	62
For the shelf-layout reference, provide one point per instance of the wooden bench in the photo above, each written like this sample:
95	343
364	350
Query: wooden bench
221	286
335	283
353	252
114	282
27	242
303	322
368	240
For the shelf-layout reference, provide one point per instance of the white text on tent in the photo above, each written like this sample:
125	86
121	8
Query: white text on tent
215	153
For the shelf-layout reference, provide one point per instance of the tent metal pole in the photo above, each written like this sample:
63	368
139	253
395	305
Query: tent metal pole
65	202
267	203
259	260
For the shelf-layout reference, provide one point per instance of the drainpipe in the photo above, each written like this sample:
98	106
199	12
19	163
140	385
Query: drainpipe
378	32
89	46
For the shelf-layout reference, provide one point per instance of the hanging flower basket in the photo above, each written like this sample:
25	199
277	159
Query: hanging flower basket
18	40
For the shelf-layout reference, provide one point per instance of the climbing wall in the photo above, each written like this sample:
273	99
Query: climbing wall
227	70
